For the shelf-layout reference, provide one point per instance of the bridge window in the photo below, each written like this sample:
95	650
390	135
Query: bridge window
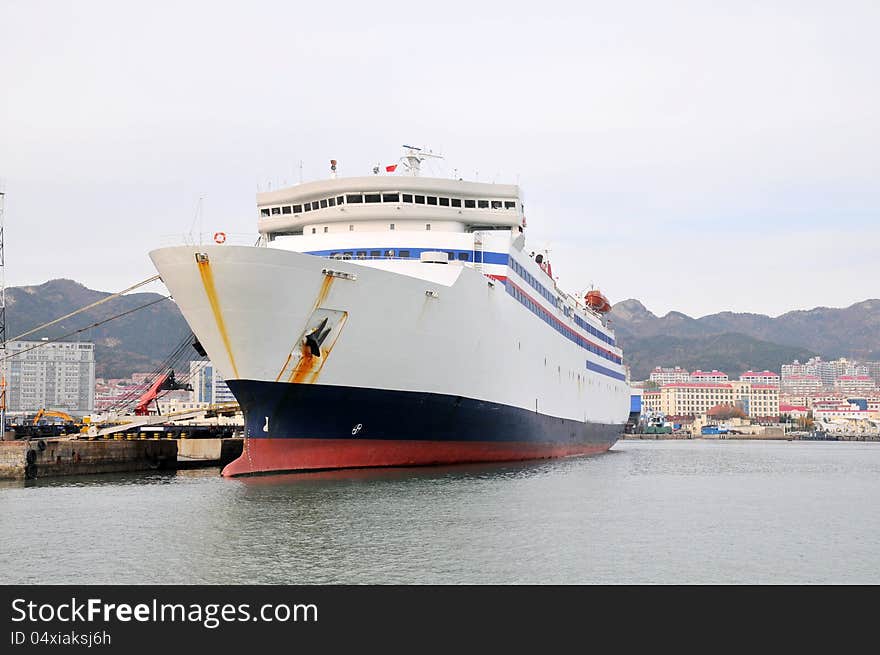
509	204
307	207
354	198
340	200
483	204
420	200
276	210
432	200
297	209
391	227
351	228
373	197
325	229
496	204
389	253
428	227
323	204
362	254
264	212
444	202
331	202
313	230
315	204
464	256
470	204
375	253
403	254
407	197
456	202
390	197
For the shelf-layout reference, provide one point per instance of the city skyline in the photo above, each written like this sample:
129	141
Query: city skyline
700	159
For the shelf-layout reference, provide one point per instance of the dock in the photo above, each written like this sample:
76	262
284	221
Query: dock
65	456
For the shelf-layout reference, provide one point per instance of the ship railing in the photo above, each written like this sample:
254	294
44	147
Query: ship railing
217	237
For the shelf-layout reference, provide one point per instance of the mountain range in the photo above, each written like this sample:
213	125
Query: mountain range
736	342
141	340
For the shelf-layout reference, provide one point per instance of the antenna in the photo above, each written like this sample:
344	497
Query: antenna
413	157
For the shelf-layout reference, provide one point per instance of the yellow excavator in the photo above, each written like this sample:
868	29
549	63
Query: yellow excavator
51	413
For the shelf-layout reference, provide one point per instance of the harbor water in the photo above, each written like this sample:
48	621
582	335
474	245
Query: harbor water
646	512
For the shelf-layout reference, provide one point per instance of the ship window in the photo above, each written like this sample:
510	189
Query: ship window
351	228
428	226
373	197
496	204
389	253
297	209
483	204
307	207
340	200
509	204
404	254
264	212
391	227
331	202
450	256
407	197
390	197
325	229
313	230
375	253
432	200
456	202
315	204
362	254
323	203
470	204
276	210
420	200
444	202
464	256
354	198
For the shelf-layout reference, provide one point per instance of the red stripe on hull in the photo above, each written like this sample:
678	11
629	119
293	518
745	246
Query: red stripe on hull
271	455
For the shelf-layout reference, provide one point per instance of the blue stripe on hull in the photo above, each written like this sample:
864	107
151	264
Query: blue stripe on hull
312	411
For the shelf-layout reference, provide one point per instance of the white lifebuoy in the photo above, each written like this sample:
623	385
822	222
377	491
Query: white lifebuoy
220	237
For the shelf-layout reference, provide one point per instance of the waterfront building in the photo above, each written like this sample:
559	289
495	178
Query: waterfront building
828	411
713	376
794	411
207	384
758	401
847	384
669	375
760	377
58	375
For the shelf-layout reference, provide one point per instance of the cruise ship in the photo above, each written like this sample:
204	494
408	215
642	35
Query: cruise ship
397	319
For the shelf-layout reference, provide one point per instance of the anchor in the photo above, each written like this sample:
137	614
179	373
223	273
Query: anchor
316	337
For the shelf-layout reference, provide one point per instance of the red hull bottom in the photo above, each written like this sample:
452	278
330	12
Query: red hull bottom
278	455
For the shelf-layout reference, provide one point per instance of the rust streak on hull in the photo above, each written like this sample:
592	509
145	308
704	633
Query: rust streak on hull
326	283
210	290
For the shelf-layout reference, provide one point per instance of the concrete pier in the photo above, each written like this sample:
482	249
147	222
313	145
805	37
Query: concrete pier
55	457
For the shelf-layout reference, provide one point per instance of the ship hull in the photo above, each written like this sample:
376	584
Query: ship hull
314	427
419	365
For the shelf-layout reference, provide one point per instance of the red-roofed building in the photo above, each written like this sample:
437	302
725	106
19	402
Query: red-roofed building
794	411
854	384
760	377
709	376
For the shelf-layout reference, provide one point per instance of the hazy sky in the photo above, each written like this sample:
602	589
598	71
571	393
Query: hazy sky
699	156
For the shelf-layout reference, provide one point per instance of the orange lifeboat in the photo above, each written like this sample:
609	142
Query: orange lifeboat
595	300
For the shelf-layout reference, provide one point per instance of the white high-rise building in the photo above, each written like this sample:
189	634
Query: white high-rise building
207	385
58	375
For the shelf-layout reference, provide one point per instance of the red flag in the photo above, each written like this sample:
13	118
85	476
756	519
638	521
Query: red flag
391	169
